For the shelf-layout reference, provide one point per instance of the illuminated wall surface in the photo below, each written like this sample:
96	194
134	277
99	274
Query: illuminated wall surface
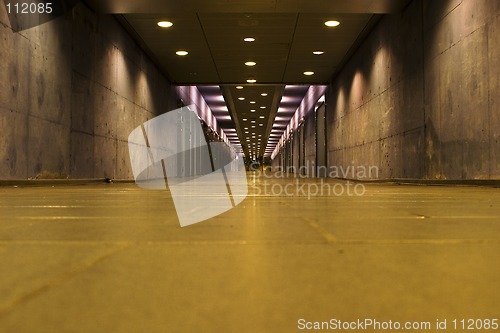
71	91
419	98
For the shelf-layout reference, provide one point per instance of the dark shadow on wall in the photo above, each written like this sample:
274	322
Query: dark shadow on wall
375	108
459	40
29	14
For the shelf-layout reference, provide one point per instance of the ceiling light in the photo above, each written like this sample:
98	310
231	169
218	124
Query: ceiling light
261	117
252	102
332	23
252	110
262	107
264	94
244	119
249	39
239	87
318	52
308	73
250	63
251	80
252	121
241	98
261	124
165	24
182	53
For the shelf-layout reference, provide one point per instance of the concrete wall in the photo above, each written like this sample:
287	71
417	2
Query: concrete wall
310	142
71	90
421	97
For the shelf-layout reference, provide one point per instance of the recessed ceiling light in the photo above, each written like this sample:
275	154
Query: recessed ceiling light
165	24
318	52
241	98
263	94
332	23
262	107
239	87
252	110
249	39
261	117
244	119
250	63
252	102
308	73
253	126
251	80
252	121
182	53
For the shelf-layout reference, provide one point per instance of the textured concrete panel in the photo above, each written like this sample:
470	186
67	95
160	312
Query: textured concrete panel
105	151
106	64
49	82
435	11
391	158
127	77
387	113
413	154
411	103
146	89
336	134
367	157
494	95
125	119
310	142
335	157
48	148
113	32
8	70
475	106
432	117
82	155
141	115
106	112
13	150
405	46
123	167
83	108
452	121
84	45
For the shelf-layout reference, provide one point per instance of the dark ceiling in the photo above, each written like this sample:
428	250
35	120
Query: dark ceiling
286	33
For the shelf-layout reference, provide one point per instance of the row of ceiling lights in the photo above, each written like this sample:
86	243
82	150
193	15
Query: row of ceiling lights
254	148
331	23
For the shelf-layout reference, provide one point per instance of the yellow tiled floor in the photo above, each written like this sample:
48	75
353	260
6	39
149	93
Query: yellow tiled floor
113	258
